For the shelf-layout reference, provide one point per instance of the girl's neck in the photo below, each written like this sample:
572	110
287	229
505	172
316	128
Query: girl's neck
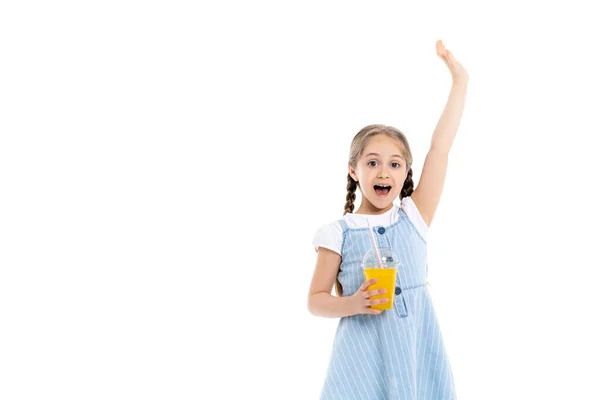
370	209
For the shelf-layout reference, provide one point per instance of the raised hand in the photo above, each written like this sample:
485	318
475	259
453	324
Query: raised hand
459	74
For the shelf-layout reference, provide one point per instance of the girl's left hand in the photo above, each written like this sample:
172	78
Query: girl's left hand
459	74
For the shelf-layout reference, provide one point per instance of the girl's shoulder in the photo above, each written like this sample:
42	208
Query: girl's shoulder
412	212
329	236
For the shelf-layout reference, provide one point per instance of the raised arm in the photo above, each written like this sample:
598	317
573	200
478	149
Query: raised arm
428	192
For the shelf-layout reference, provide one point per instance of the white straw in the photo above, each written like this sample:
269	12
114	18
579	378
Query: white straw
374	244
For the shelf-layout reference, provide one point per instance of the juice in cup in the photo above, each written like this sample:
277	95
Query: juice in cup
385	275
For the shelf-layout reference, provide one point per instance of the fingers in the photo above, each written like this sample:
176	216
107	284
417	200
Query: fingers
368	283
369	293
440	48
444	53
370	310
376	301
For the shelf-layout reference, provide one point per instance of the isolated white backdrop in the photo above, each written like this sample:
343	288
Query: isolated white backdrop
164	165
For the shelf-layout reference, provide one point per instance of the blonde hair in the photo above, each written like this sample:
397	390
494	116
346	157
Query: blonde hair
357	147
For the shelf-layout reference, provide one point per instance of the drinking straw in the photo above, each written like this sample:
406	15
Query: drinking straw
374	244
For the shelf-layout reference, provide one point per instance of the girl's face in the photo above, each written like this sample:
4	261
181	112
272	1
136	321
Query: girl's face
380	172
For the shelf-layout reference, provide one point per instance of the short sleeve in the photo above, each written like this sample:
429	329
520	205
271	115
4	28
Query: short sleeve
330	237
410	208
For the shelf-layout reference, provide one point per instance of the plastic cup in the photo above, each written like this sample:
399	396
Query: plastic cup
386	275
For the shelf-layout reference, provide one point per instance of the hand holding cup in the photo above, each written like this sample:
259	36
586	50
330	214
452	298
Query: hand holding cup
362	302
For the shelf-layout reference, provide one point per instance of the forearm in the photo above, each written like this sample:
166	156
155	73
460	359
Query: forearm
323	304
447	126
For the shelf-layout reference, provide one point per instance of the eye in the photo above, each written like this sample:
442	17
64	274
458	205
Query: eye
372	162
396	165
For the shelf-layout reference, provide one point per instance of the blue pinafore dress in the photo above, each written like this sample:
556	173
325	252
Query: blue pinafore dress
398	354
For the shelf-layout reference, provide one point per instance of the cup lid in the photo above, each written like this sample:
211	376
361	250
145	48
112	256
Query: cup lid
389	258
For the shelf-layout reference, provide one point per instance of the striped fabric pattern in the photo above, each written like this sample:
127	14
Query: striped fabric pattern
400	353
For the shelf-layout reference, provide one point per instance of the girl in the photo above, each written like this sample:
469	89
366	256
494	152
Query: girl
397	353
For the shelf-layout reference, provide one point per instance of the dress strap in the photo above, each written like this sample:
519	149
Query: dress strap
344	225
401	213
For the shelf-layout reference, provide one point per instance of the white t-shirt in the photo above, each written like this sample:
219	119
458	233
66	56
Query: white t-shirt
330	235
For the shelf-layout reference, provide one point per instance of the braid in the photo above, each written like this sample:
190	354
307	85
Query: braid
350	196
407	189
348	208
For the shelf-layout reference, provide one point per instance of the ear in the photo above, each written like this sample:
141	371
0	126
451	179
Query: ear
352	172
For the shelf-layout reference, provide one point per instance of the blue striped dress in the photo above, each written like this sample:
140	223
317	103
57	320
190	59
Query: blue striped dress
398	354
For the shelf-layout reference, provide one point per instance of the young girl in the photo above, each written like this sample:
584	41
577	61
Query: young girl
397	353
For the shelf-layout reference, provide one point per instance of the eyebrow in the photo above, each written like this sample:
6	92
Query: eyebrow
377	154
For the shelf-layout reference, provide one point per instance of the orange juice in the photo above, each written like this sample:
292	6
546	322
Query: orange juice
386	278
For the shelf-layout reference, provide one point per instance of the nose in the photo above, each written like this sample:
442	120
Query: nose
383	173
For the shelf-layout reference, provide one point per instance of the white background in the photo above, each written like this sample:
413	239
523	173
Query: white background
164	166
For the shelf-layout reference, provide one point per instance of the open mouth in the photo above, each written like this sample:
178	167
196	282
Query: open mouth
382	191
